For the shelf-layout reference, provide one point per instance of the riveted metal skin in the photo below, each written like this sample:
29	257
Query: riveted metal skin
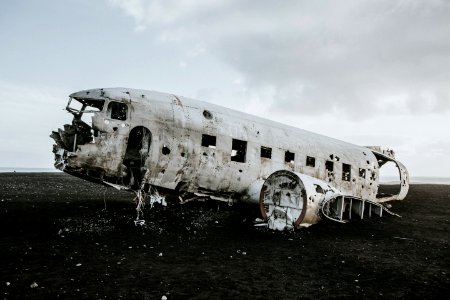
140	139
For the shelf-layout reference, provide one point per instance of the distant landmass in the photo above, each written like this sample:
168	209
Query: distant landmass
433	180
28	170
416	180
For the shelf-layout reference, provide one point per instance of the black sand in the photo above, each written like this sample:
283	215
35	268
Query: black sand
56	233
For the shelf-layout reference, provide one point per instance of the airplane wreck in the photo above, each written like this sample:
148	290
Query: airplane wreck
155	143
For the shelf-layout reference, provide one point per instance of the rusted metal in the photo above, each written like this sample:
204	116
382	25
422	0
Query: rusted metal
144	140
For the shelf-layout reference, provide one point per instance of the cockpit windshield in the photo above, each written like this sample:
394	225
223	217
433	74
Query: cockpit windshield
83	108
80	106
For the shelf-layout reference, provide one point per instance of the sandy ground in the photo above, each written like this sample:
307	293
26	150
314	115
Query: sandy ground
58	240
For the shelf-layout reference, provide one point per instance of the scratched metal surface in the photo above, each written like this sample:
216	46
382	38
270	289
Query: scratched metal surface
177	161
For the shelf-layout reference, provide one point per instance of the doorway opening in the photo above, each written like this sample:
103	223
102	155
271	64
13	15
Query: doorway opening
137	152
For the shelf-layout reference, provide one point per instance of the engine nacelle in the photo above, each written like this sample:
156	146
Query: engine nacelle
291	200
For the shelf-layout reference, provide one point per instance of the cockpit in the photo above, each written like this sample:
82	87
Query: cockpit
90	118
79	107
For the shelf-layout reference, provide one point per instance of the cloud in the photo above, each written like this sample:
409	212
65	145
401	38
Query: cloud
355	57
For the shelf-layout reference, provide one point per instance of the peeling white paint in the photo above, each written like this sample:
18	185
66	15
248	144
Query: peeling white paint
144	140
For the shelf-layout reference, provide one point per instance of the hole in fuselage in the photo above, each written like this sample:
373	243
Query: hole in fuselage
165	150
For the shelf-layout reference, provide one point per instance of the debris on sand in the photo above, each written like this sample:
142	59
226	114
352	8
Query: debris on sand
139	222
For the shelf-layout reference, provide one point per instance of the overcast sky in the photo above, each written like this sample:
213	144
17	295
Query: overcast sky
367	72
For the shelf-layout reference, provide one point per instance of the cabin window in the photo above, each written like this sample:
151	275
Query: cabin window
362	173
266	152
289	157
310	161
238	150
208	141
346	172
329	166
117	110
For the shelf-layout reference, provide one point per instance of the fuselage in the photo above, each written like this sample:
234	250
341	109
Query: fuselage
184	145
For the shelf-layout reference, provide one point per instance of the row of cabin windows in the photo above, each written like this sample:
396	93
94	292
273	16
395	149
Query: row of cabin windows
346	170
266	152
239	149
